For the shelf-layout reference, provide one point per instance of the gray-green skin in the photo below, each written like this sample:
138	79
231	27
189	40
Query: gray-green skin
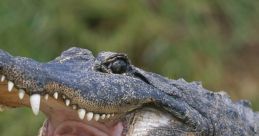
95	84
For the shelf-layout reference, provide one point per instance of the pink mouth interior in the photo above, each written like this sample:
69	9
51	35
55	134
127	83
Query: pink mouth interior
66	123
75	128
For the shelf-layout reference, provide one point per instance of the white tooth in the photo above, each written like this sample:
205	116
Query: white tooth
74	107
89	116
112	114
2	78
81	113
10	86
67	102
108	116
35	103
56	95
63	96
46	97
96	117
21	94
103	116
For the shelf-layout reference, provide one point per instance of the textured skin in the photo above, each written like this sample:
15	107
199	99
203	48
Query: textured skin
90	83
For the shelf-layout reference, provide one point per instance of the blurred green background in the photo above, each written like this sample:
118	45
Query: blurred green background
215	42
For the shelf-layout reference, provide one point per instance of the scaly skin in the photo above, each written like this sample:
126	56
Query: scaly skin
110	84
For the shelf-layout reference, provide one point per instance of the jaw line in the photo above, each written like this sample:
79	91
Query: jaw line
59	116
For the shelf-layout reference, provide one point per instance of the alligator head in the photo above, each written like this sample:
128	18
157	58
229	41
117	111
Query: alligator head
106	95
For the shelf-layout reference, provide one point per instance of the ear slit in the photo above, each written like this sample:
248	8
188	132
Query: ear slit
143	78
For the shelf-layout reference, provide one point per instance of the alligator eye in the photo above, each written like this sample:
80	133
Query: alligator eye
119	66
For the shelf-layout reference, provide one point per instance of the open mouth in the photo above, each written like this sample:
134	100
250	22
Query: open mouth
83	95
80	95
63	118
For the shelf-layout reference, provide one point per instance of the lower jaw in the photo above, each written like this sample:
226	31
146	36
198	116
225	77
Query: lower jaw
77	128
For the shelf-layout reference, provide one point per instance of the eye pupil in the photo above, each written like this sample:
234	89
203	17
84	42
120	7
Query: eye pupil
119	67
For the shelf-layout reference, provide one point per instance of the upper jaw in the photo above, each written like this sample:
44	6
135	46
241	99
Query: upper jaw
70	83
73	78
58	88
25	82
61	116
13	96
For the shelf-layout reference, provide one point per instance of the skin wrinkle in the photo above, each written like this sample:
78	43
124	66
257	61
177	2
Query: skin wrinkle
89	82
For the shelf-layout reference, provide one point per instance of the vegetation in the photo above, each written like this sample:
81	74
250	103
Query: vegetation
215	42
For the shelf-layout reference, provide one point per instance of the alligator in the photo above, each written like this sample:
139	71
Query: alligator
106	95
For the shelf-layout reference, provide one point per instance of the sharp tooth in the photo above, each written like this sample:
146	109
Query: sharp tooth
96	117
46	97
108	116
63	96
112	114
67	102
10	86
35	103
74	107
81	113
56	95
21	94
103	116
89	116
2	78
